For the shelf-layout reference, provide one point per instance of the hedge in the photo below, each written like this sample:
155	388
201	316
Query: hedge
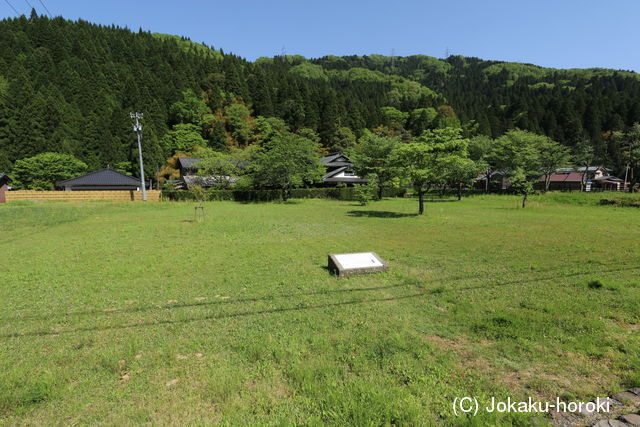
346	193
628	203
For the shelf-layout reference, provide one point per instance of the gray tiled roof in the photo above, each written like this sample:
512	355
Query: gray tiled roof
333	160
188	162
102	177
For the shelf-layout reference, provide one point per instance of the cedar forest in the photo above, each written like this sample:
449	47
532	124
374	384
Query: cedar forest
68	87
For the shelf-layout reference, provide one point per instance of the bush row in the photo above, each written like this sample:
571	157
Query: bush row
621	202
346	193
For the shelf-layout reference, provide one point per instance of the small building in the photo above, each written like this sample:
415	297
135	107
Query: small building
187	166
101	180
594	178
189	177
498	180
568	181
339	170
4	186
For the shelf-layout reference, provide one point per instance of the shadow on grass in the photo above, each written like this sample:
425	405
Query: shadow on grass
112	312
211	317
379	214
440	200
423	291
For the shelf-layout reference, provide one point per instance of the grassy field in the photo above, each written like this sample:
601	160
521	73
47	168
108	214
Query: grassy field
121	313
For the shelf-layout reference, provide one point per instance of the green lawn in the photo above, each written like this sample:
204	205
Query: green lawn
121	313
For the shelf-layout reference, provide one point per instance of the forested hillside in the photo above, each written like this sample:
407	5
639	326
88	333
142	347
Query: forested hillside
68	87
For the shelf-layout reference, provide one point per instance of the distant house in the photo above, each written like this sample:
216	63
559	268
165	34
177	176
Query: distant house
4	186
189	177
594	178
339	169
498	180
101	180
563	181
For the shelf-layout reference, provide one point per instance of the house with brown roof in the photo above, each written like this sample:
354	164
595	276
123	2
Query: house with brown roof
593	178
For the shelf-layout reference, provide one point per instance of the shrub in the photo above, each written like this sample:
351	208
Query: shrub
364	193
595	284
249	195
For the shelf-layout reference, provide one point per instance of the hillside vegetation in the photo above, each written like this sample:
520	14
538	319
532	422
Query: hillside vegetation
68	86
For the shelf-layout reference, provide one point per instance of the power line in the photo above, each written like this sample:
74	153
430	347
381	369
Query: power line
11	6
45	8
30	6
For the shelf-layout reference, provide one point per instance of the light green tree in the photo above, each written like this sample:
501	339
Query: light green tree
288	162
182	138
427	160
552	156
373	156
42	171
460	171
190	109
632	152
518	153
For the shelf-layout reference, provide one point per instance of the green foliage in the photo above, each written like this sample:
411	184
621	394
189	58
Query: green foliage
439	156
253	195
191	109
288	161
182	138
75	97
373	157
364	193
308	70
595	284
344	139
394	118
190	47
41	172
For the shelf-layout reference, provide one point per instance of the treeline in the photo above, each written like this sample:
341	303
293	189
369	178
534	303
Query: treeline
68	87
569	106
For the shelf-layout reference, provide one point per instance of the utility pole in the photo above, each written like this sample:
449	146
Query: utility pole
626	172
137	128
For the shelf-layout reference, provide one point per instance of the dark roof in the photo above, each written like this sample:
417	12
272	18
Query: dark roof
187	162
581	169
331	176
4	178
564	177
102	177
336	160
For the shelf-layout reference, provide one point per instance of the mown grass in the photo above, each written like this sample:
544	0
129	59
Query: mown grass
121	313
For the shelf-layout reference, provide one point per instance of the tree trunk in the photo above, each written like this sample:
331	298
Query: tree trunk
285	194
486	184
459	191
420	201
380	190
547	182
524	200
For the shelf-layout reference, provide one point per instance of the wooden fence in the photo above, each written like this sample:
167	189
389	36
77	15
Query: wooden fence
82	196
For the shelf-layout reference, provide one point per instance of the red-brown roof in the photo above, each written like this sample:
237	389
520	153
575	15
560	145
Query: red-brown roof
565	177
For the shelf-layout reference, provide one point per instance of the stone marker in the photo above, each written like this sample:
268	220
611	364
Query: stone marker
345	265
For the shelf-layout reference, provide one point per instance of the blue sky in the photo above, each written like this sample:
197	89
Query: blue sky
559	33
